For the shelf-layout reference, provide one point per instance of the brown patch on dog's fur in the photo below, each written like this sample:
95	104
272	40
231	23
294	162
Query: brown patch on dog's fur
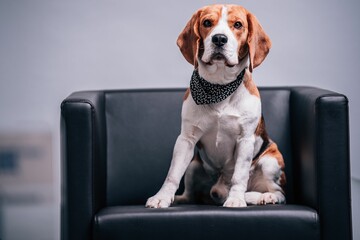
282	179
213	14
186	94
274	152
192	36
258	41
251	87
261	130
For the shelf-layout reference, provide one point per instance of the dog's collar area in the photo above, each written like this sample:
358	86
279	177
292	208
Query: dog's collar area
204	92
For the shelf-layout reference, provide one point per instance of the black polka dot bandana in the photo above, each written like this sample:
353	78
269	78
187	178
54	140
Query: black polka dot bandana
204	92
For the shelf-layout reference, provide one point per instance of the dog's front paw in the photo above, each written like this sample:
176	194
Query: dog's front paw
159	201
234	202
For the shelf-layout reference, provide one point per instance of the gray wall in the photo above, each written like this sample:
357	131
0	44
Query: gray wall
49	49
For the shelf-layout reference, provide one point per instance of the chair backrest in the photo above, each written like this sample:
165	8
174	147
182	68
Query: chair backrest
142	127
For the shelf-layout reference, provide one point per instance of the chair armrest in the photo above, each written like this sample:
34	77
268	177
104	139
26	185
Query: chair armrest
320	133
83	145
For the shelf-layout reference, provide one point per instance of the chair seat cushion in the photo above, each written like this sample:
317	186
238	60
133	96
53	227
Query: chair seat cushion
207	222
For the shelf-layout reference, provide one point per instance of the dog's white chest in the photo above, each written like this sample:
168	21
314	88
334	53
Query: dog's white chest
218	143
223	124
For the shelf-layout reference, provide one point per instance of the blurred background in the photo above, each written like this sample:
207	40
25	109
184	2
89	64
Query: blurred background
49	49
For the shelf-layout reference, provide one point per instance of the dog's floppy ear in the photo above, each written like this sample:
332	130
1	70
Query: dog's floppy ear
259	43
189	39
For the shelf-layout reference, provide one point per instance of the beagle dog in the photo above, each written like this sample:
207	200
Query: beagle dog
223	148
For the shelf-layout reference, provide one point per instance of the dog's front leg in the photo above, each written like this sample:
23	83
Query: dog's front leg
240	178
183	153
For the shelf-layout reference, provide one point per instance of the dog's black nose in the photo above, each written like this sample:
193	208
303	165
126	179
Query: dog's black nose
219	39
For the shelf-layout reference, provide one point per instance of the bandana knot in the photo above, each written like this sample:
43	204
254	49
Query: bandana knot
204	92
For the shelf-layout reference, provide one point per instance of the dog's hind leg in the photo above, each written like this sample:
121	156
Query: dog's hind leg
267	179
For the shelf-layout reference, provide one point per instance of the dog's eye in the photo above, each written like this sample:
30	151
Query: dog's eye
207	23
237	25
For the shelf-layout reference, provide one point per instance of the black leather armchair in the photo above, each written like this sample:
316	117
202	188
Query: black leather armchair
117	148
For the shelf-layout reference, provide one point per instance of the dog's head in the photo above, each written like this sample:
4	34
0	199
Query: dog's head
227	33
